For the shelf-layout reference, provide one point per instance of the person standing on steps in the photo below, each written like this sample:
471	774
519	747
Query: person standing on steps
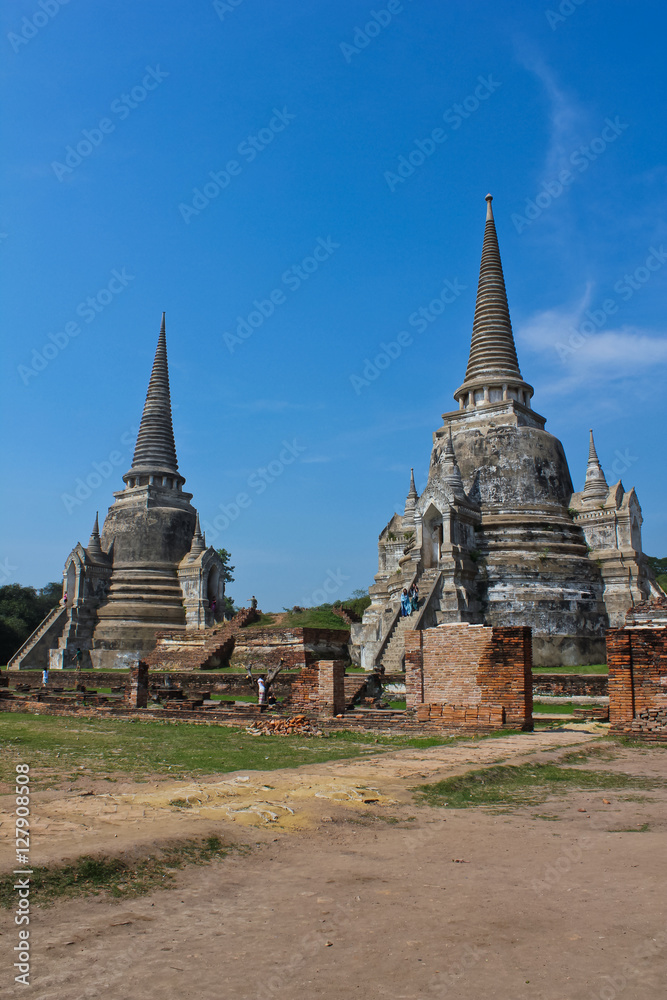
406	606
413	594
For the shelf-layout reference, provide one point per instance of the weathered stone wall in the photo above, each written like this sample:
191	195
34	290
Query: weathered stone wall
297	647
637	661
570	685
470	676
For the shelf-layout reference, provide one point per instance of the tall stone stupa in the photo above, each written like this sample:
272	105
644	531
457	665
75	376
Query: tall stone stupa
498	536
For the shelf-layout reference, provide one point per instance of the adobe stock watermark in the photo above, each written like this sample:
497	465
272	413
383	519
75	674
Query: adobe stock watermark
377	22
565	9
122	107
292	279
468	957
224	7
87	310
31	26
6	571
630	972
331	585
249	149
257	483
419	320
85	485
581	159
625	288
454	118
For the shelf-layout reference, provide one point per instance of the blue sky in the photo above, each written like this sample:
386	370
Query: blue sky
291	182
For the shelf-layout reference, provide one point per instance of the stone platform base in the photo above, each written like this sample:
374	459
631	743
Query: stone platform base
567	651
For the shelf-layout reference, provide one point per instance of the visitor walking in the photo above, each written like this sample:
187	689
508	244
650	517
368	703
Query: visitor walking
261	687
406	606
45	676
414	596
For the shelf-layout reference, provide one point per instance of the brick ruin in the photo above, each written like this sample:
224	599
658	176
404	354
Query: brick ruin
474	677
460	678
637	661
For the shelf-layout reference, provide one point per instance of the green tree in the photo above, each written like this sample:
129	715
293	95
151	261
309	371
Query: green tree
227	572
659	567
21	611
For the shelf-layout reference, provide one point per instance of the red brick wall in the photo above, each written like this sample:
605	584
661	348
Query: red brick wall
320	688
637	661
470	676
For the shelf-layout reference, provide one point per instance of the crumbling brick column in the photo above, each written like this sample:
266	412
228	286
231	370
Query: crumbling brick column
637	660
331	687
137	688
619	663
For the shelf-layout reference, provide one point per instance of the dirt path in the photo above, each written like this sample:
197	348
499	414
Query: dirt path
374	898
66	824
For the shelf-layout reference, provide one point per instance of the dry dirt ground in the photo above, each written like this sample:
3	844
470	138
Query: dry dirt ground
351	888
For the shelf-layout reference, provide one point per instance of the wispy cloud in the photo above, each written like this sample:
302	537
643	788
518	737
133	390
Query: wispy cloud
608	356
569	120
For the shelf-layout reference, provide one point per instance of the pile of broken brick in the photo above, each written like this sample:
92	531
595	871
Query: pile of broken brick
296	725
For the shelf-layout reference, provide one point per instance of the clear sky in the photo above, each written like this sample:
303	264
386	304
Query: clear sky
292	181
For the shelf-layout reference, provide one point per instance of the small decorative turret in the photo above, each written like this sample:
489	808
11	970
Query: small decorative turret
198	541
595	489
94	548
451	474
411	499
493	373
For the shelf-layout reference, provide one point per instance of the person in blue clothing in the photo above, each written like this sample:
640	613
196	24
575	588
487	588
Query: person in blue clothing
406	606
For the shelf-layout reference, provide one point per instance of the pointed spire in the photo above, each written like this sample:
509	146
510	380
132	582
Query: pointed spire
155	451
94	548
451	474
198	541
595	488
412	497
493	356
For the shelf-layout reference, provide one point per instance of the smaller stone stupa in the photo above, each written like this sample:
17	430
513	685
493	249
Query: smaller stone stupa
149	568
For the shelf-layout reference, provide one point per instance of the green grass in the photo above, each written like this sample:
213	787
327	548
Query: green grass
250	698
117	877
397	704
525	784
322	617
543	707
71	748
314	618
592	668
588	753
644	828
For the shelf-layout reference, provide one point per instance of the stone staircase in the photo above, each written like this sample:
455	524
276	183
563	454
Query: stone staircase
54	621
393	658
393	655
198	649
